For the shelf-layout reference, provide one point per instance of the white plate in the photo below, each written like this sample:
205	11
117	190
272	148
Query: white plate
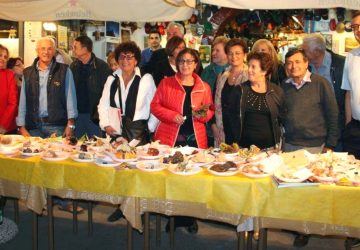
209	159
146	166
59	157
76	158
327	180
303	175
149	157
114	158
30	154
184	150
194	170
9	151
253	175
108	164
227	173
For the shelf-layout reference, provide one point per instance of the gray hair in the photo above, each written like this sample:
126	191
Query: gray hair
45	38
173	24
315	41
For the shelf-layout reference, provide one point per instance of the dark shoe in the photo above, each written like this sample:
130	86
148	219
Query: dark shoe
353	242
116	215
301	240
68	207
193	229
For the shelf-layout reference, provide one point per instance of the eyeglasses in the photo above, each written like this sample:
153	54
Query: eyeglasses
188	62
355	27
128	57
238	53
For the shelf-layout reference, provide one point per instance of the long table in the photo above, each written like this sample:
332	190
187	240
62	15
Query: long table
227	199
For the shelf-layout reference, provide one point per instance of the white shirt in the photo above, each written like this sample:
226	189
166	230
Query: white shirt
145	95
351	81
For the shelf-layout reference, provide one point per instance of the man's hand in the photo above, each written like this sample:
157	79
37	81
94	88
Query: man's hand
325	149
179	119
68	132
110	131
24	132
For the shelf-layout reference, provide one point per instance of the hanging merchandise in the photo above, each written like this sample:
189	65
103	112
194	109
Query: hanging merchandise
340	13
340	27
348	26
208	29
332	24
148	28
309	14
325	14
317	15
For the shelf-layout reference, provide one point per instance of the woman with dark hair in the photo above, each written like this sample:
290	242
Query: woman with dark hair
167	67
16	65
176	101
225	126
8	95
183	104
130	92
261	104
277	74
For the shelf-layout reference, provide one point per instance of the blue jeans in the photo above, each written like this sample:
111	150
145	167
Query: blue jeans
84	125
44	130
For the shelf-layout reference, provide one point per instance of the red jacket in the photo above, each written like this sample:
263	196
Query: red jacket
8	100
168	102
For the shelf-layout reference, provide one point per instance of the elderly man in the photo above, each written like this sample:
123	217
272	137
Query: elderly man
311	118
48	98
329	65
90	74
173	29
154	42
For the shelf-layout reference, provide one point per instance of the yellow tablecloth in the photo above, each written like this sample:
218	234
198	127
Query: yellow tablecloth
237	194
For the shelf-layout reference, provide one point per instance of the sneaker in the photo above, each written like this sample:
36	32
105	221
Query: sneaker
355	242
301	240
193	229
116	215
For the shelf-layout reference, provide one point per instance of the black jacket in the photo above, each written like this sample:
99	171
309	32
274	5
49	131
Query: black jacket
336	73
98	76
56	97
275	100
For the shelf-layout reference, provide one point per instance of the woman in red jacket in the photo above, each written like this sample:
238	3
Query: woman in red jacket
8	95
183	104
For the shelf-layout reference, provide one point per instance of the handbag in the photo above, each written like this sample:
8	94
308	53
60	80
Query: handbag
133	129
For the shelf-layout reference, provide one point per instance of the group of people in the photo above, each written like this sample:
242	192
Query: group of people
244	98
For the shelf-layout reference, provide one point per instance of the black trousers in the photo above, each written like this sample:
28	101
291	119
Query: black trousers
351	138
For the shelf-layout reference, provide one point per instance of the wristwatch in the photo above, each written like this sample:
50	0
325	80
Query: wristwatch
71	126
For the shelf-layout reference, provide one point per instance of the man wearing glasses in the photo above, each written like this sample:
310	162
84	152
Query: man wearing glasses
351	84
90	74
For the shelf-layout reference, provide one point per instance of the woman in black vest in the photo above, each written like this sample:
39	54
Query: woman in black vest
130	93
127	93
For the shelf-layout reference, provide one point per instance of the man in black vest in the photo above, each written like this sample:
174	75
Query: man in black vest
90	74
48	98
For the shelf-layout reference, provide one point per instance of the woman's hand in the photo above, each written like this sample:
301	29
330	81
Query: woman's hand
110	130
216	133
179	119
24	132
2	130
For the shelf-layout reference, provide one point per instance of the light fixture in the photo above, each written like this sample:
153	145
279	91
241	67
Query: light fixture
49	26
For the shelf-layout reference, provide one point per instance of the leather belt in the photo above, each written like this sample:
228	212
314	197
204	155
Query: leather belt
44	119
